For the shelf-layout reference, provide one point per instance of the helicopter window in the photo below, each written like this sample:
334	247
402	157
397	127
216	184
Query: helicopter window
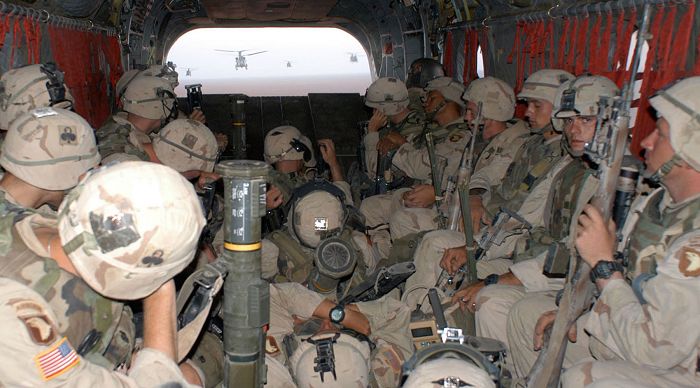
287	61
479	62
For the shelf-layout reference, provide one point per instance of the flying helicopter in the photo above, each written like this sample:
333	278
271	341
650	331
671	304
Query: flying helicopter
241	61
188	71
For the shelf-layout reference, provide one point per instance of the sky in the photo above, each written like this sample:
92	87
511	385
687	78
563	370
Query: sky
319	59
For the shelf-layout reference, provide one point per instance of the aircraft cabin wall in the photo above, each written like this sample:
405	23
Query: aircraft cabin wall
94	42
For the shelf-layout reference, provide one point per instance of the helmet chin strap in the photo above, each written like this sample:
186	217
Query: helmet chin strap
665	168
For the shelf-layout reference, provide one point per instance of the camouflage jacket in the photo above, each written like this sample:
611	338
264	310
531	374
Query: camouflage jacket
119	136
450	141
101	329
659	330
410	127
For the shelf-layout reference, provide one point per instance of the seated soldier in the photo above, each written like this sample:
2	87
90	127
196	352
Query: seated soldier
642	329
148	104
61	282
45	153
422	71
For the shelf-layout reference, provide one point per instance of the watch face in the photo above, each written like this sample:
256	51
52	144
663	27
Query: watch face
337	314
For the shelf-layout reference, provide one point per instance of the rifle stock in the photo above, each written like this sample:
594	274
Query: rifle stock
579	289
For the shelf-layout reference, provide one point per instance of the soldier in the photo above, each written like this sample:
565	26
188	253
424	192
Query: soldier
568	187
414	210
113	242
29	87
501	140
148	103
422	71
45	153
645	333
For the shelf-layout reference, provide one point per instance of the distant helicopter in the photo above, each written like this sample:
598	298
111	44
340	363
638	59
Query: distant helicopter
188	71
289	63
353	57
240	59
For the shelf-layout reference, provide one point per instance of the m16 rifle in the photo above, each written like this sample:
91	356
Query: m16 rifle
437	168
607	149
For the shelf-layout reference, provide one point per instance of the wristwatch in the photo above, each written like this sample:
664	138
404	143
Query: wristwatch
604	269
491	279
337	313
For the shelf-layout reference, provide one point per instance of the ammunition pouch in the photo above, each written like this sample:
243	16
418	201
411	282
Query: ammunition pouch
556	264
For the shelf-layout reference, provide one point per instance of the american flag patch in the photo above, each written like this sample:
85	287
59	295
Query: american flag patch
57	360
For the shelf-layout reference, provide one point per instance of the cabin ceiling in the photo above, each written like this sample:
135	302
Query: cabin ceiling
268	10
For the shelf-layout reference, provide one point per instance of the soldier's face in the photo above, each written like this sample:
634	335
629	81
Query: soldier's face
538	113
579	130
657	147
432	101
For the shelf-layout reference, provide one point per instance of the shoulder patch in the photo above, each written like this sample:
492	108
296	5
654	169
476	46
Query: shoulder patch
57	360
689	262
36	320
456	137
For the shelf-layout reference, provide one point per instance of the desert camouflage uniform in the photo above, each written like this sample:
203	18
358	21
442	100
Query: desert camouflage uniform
119	136
412	158
409	127
31	328
387	318
654	340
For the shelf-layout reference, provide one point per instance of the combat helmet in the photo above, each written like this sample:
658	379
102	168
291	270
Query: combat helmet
580	97
422	71
450	89
331	359
149	97
449	365
680	106
186	145
29	87
130	227
286	143
388	95
495	95
543	84
49	148
316	214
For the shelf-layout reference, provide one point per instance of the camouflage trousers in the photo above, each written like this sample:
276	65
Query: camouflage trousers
377	209
624	374
520	328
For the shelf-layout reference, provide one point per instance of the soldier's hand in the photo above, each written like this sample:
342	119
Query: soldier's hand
466	297
198	115
377	121
594	239
273	197
221	141
206	178
420	196
327	148
546	321
453	259
478	213
391	141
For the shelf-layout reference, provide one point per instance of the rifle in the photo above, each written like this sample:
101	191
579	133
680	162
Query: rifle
437	168
608	148
380	283
497	233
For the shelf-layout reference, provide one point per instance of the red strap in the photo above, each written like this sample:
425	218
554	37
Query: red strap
581	47
550	41
4	29
605	44
16	35
679	51
667	39
561	53
32	31
571	52
595	55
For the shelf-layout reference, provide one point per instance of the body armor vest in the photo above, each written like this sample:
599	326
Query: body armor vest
113	138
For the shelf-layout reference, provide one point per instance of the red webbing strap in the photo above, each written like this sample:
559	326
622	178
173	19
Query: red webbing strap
679	51
4	29
527	51
561	47
595	55
542	44
645	120
667	40
581	47
570	65
550	43
16	36
448	62
515	50
32	33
